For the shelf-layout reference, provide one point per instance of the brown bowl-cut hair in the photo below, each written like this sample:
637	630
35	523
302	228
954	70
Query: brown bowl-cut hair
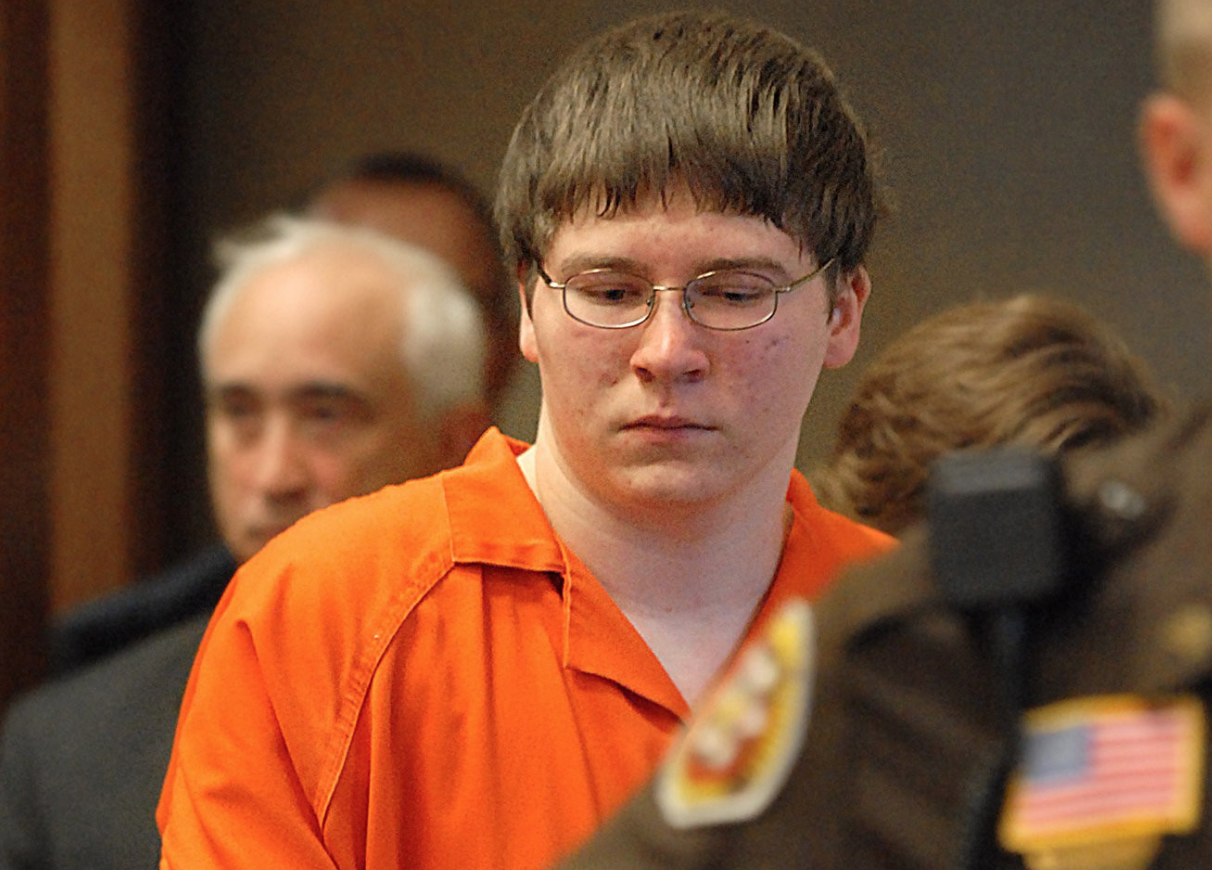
751	121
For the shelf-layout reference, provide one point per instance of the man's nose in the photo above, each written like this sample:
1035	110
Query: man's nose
281	471
670	343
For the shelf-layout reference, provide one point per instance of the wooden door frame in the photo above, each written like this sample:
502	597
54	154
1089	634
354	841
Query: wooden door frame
24	344
85	154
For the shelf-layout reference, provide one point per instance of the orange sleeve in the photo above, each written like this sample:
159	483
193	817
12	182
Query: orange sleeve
278	681
233	798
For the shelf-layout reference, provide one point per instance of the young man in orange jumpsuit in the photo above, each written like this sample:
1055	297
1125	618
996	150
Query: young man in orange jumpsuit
1063	724
475	669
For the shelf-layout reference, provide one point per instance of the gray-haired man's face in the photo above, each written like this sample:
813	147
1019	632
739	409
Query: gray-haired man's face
307	398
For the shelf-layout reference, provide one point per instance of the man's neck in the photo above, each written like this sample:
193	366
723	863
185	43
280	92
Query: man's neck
689	580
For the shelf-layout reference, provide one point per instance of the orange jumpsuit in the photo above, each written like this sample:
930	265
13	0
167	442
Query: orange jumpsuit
427	678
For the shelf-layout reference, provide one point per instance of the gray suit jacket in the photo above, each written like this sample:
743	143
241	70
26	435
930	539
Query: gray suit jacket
82	759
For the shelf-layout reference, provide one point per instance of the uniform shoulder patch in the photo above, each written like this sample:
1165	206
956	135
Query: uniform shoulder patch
737	751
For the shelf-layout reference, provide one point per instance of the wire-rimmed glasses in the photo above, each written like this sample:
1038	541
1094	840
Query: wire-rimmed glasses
724	299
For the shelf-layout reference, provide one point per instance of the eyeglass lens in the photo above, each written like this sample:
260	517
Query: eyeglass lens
720	300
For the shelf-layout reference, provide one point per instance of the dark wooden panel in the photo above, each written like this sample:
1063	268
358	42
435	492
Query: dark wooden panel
108	298
24	342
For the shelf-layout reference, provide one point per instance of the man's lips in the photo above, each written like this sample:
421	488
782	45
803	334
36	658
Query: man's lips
656	421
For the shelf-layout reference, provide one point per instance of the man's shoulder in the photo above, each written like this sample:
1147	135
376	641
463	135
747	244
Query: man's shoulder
414	511
1169	458
344	573
850	538
410	532
362	534
124	700
121	681
851	534
1141	504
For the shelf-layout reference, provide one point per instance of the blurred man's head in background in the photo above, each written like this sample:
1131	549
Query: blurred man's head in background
335	361
419	200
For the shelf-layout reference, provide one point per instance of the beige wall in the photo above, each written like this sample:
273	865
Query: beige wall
1008	130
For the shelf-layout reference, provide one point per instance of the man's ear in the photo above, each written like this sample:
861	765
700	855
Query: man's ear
458	430
525	326
846	317
1173	139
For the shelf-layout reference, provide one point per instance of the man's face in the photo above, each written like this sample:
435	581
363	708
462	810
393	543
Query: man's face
439	221
669	412
307	398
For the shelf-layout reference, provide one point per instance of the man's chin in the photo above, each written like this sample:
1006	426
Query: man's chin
674	483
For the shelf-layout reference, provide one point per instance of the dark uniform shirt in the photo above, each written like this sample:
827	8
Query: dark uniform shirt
915	732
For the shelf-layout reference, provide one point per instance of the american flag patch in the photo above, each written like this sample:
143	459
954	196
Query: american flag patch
1105	768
